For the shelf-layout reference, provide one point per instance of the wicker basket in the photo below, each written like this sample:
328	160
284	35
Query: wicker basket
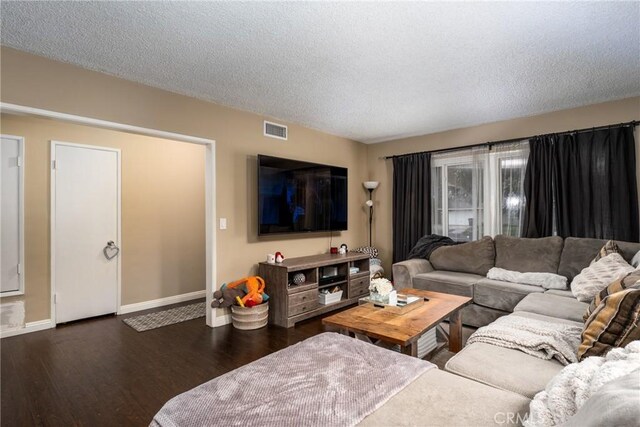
247	318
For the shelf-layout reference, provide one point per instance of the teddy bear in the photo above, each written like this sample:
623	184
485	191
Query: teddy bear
226	296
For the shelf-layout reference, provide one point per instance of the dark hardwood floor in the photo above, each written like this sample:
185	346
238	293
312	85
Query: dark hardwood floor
100	372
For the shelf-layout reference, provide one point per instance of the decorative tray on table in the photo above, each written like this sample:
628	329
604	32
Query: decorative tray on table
405	303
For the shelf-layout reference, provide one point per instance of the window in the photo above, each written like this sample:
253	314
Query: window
479	191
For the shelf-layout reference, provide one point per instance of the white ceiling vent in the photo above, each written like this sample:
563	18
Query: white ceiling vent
275	130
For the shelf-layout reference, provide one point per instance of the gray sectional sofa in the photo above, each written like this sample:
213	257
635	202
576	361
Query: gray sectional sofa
462	269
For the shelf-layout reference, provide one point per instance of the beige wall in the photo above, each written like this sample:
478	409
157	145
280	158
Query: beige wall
41	83
38	82
381	170
163	240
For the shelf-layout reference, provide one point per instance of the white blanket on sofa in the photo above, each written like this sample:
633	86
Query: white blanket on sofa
545	280
575	384
545	340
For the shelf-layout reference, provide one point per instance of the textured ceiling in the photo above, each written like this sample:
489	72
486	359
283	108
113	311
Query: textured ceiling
367	71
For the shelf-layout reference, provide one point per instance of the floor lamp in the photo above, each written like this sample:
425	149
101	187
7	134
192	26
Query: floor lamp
370	185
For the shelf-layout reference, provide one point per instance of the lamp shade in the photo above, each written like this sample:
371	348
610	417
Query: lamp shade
371	185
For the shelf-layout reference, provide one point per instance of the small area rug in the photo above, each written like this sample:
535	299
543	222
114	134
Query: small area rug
162	318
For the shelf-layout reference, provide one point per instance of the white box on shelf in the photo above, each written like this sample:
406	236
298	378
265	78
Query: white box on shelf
325	299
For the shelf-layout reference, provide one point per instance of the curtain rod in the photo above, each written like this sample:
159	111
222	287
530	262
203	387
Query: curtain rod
489	144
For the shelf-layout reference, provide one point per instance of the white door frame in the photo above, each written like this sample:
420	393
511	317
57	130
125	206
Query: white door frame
21	155
53	166
210	181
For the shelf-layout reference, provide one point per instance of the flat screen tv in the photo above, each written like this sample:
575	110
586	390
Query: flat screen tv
299	197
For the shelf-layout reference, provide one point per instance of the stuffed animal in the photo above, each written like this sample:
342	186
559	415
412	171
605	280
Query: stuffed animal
279	257
226	296
254	287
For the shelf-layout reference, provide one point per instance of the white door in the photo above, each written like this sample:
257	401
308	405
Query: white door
11	218
85	218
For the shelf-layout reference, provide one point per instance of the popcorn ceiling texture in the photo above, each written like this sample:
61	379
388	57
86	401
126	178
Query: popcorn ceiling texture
365	71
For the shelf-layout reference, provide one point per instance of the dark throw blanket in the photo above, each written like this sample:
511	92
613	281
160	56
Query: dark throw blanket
326	380
429	243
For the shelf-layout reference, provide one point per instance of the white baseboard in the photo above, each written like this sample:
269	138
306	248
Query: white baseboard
145	305
40	325
160	302
225	319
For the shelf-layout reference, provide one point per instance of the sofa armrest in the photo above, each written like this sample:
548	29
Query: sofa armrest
404	272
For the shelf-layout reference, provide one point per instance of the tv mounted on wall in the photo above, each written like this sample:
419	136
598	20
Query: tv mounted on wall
299	197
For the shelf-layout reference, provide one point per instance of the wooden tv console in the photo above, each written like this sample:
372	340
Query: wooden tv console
290	303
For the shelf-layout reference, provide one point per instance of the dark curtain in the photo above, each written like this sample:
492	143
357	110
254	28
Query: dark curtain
411	202
538	188
596	189
586	181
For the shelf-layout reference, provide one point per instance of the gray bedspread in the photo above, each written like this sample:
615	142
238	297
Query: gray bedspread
326	380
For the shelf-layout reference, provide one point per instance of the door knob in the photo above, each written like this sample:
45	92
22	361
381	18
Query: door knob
111	250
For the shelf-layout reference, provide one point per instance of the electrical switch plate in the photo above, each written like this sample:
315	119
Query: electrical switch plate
223	223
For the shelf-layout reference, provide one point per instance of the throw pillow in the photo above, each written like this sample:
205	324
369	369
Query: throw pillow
617	403
636	260
368	250
609	248
567	392
614	323
630	281
597	276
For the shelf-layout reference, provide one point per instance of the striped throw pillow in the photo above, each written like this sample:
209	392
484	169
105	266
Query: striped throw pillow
614	323
368	250
631	281
609	248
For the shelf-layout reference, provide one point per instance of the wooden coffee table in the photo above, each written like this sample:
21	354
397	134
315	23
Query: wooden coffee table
405	329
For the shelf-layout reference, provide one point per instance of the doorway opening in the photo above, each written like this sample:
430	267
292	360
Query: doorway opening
208	236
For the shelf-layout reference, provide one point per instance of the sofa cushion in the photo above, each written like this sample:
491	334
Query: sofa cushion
501	295
552	305
439	398
546	318
528	255
472	257
476	315
629	249
504	368
448	282
614	323
561	292
578	253
597	276
632	280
